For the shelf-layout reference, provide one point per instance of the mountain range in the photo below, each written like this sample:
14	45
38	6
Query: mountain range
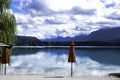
102	35
109	35
66	39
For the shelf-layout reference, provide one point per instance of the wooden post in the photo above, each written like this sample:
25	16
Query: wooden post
71	69
5	70
5	58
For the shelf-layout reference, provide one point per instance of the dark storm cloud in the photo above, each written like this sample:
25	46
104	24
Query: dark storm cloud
113	16
110	5
80	11
106	24
50	21
37	8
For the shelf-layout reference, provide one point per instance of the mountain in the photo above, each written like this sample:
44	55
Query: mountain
66	39
105	35
25	40
102	37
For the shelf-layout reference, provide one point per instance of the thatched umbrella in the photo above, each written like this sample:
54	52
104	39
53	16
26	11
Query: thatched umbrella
5	59
72	56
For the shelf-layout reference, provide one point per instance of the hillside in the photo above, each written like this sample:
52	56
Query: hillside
25	40
105	35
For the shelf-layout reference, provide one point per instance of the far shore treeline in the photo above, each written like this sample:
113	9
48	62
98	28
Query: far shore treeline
32	41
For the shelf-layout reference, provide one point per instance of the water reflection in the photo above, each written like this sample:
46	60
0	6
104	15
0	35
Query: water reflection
104	56
54	61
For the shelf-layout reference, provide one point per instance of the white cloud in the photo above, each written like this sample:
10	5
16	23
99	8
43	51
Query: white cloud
21	18
52	18
20	30
58	5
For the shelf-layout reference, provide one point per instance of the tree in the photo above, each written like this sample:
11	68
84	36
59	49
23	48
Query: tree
4	5
7	23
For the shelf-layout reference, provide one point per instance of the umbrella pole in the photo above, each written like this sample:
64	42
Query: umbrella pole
71	69
5	70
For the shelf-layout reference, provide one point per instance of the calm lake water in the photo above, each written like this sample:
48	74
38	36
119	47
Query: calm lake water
53	61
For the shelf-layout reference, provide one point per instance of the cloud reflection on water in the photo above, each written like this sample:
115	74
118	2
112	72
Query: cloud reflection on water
52	64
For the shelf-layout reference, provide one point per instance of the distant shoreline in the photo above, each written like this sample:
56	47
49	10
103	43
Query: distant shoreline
83	47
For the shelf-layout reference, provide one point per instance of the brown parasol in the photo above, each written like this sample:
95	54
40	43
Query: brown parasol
72	56
5	59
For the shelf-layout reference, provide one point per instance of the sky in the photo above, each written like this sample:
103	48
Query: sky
46	19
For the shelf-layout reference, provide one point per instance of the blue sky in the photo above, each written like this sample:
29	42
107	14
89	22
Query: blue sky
51	18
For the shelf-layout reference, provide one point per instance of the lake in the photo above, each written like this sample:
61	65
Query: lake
94	61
